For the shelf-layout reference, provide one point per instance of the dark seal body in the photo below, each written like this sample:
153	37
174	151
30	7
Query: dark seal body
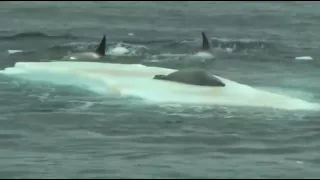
193	77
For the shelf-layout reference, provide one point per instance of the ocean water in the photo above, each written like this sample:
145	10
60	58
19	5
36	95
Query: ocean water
55	131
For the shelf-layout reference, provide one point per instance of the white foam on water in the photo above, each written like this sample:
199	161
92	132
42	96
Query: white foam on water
12	51
118	50
304	58
205	55
136	80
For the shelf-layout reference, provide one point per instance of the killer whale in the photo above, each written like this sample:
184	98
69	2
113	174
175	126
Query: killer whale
87	56
205	51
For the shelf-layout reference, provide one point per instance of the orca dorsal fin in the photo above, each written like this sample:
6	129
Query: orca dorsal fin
101	50
205	42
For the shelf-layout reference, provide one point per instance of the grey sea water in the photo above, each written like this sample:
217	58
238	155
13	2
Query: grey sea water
51	131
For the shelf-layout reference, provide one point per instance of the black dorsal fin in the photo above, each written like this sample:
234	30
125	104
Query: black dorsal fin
205	42
101	50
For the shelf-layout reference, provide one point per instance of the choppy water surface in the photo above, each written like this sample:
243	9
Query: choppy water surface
50	131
